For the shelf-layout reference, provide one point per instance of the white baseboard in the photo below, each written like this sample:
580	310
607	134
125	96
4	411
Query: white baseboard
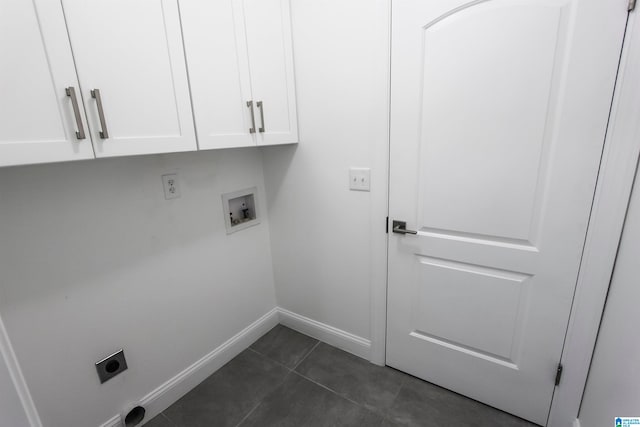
323	332
169	392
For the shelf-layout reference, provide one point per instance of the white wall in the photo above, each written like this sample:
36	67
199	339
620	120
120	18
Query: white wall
613	386
93	258
328	243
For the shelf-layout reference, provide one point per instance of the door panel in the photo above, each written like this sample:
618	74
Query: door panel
498	115
132	52
36	115
268	24
471	80
487	298
216	49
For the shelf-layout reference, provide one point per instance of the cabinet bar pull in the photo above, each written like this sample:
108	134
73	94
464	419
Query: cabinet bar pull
104	133
253	117
71	92
261	108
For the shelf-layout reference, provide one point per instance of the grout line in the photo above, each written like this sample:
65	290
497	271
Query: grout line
387	411
257	352
283	365
332	391
162	414
272	360
306	355
250	412
307	378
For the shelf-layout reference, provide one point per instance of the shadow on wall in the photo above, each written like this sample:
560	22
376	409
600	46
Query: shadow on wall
278	159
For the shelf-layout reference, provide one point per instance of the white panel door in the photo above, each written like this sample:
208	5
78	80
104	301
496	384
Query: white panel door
37	120
270	49
498	115
216	49
131	51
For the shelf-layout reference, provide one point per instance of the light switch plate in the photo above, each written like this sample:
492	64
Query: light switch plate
360	179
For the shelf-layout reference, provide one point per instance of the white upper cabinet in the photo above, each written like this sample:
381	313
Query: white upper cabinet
216	52
100	78
268	29
240	60
130	63
37	120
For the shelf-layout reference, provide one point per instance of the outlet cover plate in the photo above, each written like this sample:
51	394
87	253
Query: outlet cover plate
171	186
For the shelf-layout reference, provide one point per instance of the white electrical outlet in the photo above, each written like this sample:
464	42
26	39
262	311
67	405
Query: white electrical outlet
171	186
360	179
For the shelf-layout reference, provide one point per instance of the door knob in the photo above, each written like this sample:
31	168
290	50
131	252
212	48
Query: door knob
400	227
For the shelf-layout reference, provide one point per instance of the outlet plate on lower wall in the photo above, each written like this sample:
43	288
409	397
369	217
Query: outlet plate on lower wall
111	366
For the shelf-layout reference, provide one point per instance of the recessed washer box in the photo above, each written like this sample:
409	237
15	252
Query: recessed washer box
240	209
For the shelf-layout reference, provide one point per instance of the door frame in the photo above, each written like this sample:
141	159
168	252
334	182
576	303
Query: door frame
618	166
613	191
380	239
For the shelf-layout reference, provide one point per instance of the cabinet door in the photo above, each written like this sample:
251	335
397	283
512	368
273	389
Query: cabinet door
270	50
131	51
37	121
216	50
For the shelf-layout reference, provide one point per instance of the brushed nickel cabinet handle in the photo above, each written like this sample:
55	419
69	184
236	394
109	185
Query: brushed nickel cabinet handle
71	93
261	108
104	133
253	117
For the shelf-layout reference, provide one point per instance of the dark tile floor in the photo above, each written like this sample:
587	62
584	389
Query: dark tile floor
291	380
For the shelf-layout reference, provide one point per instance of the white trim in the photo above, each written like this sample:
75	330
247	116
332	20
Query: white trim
379	239
169	392
323	332
611	200
8	356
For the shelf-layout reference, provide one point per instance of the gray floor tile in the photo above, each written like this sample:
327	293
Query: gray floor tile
356	379
255	389
285	346
228	395
420	403
301	403
159	421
